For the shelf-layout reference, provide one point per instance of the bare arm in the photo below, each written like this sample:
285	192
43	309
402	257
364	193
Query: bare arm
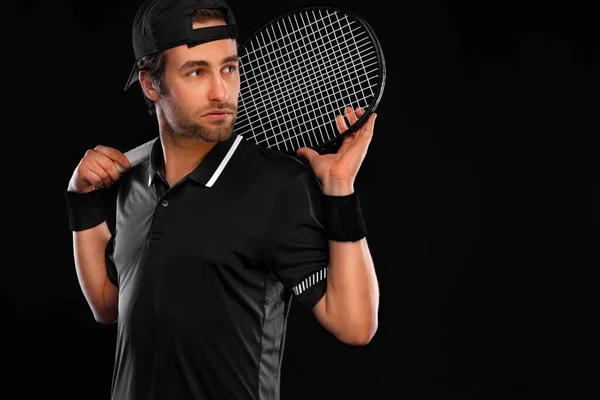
90	264
97	169
350	305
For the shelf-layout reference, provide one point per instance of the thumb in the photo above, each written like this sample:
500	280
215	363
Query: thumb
307	153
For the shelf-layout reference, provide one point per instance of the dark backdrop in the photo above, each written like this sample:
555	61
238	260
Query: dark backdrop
480	191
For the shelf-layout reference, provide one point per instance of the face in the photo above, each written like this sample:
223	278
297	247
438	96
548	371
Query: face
202	87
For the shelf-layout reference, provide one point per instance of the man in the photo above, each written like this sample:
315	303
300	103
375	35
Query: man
215	235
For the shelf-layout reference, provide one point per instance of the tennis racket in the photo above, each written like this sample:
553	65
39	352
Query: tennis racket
297	73
300	70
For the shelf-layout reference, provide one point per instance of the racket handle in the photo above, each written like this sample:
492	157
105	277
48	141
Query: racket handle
137	154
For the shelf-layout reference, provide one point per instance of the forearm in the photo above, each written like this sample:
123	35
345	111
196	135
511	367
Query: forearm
352	296
352	299
89	252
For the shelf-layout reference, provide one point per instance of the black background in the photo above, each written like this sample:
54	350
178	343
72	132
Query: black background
480	191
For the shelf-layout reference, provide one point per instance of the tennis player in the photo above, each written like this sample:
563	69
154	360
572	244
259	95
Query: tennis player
215	236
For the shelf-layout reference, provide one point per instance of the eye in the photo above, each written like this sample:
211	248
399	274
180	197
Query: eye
196	73
229	68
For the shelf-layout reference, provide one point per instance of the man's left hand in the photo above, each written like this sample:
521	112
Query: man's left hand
337	171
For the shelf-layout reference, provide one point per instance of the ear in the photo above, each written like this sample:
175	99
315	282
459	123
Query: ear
148	86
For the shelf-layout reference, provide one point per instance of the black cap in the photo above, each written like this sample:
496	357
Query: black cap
162	24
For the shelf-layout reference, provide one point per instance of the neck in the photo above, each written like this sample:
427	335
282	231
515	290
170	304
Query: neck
181	155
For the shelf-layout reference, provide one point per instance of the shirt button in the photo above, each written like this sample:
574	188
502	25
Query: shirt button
165	203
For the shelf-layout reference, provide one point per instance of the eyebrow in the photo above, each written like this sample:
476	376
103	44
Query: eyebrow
203	63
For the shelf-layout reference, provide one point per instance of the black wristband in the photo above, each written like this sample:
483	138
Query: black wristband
343	218
85	210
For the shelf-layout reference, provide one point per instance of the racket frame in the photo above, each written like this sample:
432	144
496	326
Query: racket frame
333	144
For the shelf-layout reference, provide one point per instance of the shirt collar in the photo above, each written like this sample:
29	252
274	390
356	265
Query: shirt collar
209	170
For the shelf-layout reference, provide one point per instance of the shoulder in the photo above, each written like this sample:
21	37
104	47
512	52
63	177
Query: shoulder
271	163
138	175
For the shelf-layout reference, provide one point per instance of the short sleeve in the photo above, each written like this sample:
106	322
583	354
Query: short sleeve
111	268
296	247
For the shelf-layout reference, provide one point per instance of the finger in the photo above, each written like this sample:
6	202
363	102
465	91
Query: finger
341	123
307	153
360	145
91	163
107	181
95	180
360	111
95	174
109	166
366	132
114	155
351	115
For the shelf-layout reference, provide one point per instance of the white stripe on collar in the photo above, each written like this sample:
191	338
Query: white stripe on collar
224	162
221	167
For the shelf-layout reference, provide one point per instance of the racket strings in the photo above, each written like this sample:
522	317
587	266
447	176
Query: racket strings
283	36
300	134
312	89
287	35
261	50
316	69
321	50
369	60
313	123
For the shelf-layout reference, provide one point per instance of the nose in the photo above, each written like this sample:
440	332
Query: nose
218	89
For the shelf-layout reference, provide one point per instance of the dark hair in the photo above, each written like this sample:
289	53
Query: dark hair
154	64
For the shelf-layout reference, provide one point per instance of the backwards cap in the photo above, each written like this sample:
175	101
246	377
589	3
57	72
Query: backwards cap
163	24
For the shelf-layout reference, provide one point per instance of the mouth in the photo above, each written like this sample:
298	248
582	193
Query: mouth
217	114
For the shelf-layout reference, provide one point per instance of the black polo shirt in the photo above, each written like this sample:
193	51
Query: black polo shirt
207	270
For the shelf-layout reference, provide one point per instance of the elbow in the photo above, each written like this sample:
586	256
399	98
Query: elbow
106	316
359	335
106	308
352	325
104	319
364	338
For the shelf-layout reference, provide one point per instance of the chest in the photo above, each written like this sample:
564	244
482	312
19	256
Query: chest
193	233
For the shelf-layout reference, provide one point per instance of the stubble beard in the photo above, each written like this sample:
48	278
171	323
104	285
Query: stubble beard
186	126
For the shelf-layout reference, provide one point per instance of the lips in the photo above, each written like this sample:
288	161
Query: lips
217	112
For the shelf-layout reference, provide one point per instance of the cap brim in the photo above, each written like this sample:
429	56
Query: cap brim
133	76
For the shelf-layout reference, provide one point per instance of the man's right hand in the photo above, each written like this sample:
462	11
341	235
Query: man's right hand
97	169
